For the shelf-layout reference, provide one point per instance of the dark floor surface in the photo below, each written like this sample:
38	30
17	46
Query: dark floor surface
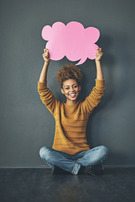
39	185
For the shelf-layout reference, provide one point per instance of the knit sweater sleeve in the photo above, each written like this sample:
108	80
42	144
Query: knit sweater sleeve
47	97
93	99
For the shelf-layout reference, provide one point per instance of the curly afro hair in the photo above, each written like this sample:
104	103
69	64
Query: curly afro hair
69	71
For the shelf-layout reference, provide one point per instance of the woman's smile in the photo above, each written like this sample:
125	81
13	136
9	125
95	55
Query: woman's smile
72	95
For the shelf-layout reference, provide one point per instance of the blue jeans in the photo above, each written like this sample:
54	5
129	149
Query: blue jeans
72	163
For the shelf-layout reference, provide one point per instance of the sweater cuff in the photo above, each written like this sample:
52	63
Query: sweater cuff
100	83
42	85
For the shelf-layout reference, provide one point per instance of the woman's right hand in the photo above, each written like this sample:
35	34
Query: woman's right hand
46	56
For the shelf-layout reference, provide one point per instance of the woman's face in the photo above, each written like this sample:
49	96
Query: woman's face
71	89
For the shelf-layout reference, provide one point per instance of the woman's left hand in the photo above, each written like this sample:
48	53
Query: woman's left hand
99	54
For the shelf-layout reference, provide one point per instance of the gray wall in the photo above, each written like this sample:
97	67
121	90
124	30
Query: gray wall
25	124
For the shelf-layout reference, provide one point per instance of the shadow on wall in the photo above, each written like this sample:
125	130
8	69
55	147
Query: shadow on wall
118	158
108	65
116	65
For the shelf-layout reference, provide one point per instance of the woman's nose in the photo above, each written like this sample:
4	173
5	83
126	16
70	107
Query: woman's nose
72	89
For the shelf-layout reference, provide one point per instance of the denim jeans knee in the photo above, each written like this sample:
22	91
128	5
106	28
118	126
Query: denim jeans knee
43	152
104	150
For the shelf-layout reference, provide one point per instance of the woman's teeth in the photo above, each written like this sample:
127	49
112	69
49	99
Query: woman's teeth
72	95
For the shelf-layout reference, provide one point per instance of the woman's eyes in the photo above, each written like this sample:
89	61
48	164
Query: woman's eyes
69	88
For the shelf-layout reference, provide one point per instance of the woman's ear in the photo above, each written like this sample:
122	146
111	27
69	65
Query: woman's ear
62	91
79	88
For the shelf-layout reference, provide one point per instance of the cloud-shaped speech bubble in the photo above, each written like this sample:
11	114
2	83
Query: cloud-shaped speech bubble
71	40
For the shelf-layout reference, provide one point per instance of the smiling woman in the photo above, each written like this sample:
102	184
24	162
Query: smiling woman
70	151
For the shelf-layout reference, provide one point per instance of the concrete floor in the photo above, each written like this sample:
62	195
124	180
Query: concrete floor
39	185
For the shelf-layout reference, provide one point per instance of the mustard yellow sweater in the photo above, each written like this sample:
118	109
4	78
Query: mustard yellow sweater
71	120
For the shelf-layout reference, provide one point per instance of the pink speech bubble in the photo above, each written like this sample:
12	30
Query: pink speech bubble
71	40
